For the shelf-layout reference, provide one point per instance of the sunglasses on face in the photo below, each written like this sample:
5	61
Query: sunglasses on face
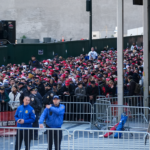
36	80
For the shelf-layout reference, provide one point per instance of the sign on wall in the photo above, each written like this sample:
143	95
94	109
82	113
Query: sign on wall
40	52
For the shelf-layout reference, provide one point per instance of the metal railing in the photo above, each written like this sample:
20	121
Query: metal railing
78	112
96	140
99	113
23	138
138	117
61	139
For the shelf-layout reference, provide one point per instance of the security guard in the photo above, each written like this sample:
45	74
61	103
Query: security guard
24	117
35	103
54	115
48	97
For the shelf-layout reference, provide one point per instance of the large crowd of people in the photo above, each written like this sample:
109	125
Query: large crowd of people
88	74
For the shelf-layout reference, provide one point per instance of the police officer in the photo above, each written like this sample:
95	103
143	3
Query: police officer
48	97
54	115
35	103
22	87
40	86
27	92
22	90
29	86
24	117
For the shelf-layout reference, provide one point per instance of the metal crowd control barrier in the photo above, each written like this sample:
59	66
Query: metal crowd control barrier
133	100
127	100
99	114
78	112
95	140
138	117
75	98
61	139
112	100
14	141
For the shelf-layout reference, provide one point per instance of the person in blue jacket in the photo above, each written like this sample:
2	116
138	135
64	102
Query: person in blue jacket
53	114
25	116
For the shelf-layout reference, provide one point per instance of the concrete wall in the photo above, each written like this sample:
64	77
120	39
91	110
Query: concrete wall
68	18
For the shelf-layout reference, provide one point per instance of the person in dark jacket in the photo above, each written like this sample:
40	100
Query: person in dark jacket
4	99
48	97
24	117
136	76
33	63
132	86
7	88
26	92
22	87
53	114
36	104
48	87
40	86
67	89
92	92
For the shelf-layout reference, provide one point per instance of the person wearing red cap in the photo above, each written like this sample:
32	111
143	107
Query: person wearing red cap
67	89
62	78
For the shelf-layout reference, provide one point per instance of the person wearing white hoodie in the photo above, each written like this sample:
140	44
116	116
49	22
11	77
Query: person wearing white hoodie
14	98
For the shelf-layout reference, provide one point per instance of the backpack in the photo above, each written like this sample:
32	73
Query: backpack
137	88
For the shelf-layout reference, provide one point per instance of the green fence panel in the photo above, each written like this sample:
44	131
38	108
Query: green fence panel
22	52
3	55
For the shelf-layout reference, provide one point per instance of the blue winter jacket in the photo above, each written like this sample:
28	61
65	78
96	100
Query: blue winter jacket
54	116
27	113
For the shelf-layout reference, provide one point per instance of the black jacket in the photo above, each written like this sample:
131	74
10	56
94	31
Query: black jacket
70	89
41	89
35	103
48	97
35	64
24	92
136	77
92	91
132	88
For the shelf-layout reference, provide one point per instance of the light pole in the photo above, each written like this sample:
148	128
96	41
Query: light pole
89	8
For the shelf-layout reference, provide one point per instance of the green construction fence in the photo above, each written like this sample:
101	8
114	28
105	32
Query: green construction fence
18	53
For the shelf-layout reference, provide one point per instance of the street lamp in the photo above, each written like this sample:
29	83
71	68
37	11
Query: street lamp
89	8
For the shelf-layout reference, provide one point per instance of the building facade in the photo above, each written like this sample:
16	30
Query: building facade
68	18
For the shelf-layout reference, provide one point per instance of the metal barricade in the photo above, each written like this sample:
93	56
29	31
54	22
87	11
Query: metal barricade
95	140
127	100
100	97
138	117
112	100
78	112
19	138
99	114
74	98
133	100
